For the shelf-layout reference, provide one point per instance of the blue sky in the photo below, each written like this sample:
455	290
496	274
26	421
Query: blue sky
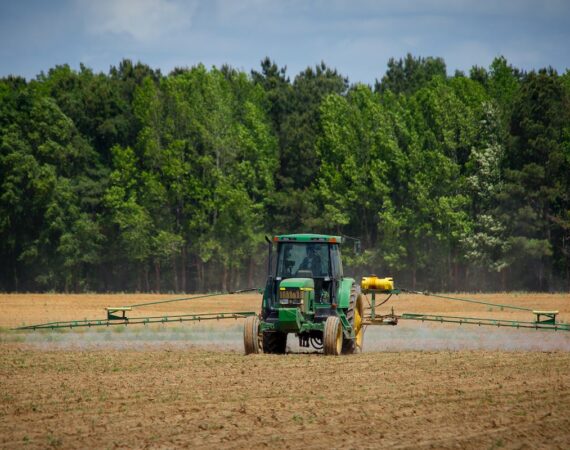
357	37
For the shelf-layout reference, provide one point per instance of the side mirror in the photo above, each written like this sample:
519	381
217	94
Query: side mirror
357	248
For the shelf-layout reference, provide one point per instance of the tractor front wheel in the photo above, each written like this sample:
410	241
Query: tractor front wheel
332	336
251	335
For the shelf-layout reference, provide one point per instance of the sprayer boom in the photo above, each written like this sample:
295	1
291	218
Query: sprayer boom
543	320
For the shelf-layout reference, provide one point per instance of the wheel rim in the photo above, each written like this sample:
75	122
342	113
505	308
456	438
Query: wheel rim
358	332
251	335
259	342
338	339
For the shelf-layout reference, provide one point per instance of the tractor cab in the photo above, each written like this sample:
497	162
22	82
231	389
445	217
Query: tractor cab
310	257
303	260
307	275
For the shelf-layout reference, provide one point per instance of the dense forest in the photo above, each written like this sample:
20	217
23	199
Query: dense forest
137	181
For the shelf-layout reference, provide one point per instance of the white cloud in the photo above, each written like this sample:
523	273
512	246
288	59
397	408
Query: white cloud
143	20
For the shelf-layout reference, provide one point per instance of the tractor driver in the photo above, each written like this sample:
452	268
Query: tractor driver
312	261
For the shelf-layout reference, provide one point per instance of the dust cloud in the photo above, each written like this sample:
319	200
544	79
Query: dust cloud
420	336
403	337
134	337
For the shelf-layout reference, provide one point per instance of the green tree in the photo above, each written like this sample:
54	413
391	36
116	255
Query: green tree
132	220
534	201
49	181
485	245
407	75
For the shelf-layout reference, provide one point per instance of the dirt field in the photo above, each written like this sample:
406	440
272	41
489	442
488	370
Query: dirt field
190	385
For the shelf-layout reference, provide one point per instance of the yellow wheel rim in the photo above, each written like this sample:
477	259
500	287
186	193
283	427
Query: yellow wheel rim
338	339
358	331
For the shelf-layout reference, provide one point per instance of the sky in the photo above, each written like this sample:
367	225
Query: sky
356	37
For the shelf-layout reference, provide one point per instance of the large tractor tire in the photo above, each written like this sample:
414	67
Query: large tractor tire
274	342
251	335
354	316
332	336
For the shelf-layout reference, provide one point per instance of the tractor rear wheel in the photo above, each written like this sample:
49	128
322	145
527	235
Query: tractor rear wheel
274	342
354	317
332	336
251	335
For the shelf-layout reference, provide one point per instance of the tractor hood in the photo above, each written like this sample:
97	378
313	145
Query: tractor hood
297	283
296	297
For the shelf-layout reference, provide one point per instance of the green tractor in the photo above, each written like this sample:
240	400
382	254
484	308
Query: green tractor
308	295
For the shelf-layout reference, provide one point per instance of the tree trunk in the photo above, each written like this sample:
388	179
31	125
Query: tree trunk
146	279
450	281
224	277
200	273
77	277
230	277
175	270
236	279
456	280
157	276
183	263
250	272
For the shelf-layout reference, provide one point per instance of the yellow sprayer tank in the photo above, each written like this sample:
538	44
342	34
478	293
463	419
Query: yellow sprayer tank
373	283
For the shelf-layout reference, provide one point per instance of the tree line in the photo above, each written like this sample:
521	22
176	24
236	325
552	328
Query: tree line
133	180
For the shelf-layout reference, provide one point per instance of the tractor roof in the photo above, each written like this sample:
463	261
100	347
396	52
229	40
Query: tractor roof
308	238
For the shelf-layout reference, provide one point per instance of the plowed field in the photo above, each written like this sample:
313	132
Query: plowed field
416	385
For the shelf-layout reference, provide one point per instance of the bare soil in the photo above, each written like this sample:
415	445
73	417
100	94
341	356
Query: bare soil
188	398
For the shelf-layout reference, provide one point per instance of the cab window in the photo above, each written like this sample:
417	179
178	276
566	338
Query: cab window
336	263
303	259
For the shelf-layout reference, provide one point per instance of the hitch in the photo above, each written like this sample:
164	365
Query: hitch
382	319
